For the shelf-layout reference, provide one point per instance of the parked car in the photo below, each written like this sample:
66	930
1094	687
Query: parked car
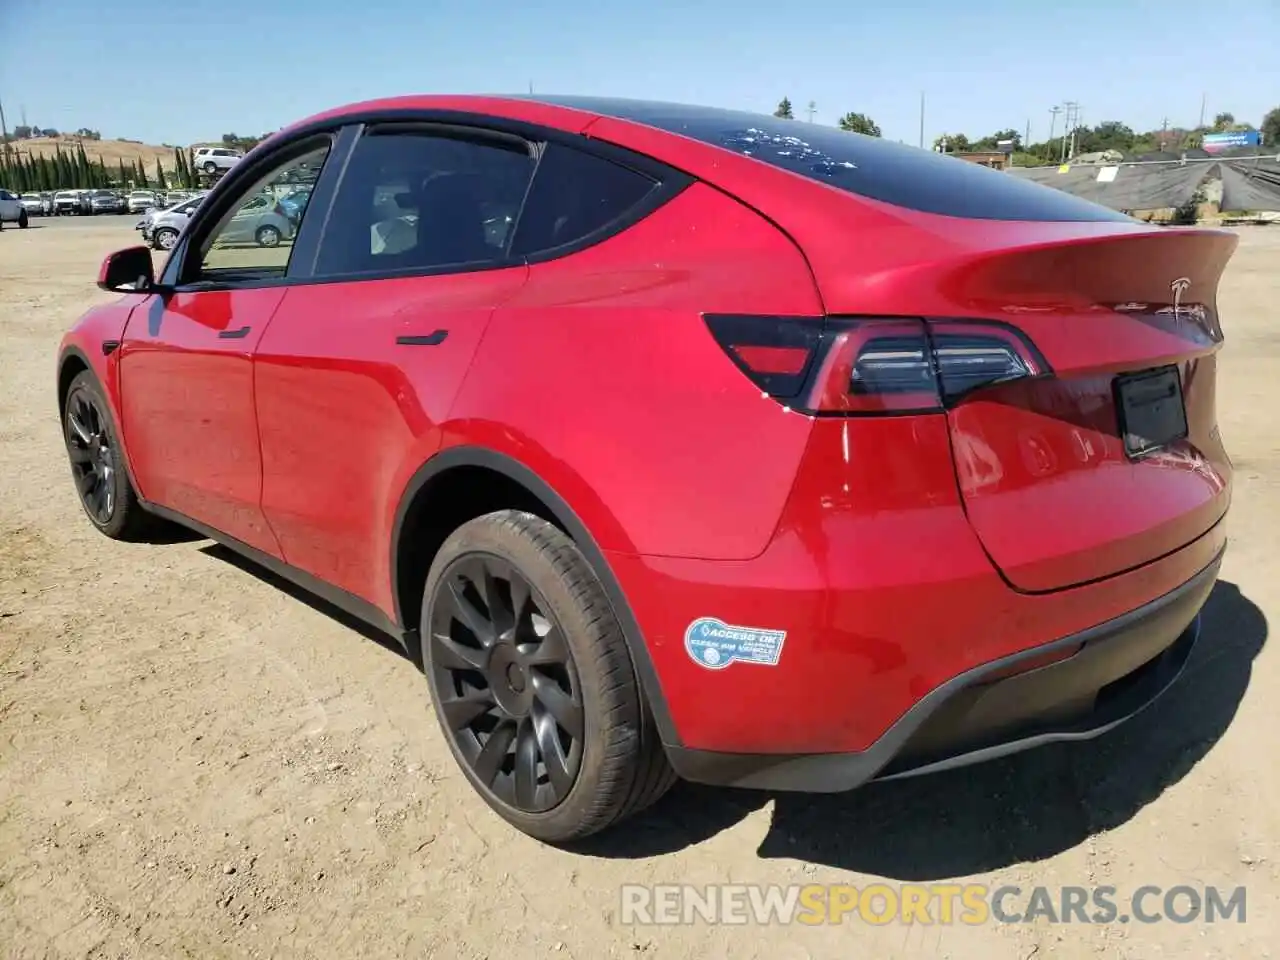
711	445
12	210
37	204
141	200
262	220
106	201
66	202
210	160
161	228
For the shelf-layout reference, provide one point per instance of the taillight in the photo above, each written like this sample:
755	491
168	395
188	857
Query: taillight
845	366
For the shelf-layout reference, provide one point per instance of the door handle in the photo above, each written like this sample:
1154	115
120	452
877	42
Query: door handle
234	334
430	340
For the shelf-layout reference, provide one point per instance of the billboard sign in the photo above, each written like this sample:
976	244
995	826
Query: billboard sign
1213	142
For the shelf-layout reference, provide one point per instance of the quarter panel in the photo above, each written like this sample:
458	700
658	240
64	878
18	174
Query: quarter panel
600	373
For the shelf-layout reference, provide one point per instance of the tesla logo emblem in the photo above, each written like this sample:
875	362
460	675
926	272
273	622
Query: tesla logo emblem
1179	287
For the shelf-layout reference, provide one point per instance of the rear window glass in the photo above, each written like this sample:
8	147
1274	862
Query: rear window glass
867	166
573	195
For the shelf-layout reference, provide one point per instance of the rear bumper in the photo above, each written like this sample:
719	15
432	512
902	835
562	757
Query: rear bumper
1119	668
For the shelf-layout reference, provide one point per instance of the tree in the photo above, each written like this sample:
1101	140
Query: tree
140	175
784	110
953	142
160	175
123	174
1270	127
1223	121
21	132
859	123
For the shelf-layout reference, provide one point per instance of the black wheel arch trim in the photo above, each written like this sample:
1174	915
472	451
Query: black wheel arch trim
567	518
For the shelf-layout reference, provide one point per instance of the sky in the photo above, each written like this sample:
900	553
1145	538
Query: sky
179	71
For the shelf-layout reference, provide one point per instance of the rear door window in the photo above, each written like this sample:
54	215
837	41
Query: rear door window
575	196
417	198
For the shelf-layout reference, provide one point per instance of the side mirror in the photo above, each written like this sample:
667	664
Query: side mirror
128	271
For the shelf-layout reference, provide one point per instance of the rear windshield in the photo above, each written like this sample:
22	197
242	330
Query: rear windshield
867	166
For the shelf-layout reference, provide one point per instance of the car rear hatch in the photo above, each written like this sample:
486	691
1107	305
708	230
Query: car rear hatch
1076	366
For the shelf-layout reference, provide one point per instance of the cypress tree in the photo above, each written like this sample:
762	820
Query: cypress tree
160	175
84	176
142	176
124	176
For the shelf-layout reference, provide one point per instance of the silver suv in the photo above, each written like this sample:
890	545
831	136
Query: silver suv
210	160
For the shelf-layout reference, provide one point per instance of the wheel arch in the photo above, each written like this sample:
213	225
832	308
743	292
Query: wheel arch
449	469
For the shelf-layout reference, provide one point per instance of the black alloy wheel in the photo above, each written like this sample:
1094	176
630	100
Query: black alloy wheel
506	684
98	465
93	456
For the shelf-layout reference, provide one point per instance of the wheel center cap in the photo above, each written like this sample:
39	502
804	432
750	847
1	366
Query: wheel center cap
515	677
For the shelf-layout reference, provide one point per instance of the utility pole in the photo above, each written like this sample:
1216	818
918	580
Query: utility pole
531	88
1203	99
1053	123
1164	130
1072	120
1026	139
4	131
921	119
811	110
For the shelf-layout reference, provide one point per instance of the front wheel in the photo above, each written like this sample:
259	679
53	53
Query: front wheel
267	237
532	682
211	168
97	463
22	220
164	238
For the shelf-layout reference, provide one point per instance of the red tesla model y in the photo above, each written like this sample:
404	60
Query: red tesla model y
679	441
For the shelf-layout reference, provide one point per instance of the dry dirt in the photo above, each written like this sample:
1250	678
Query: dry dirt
196	762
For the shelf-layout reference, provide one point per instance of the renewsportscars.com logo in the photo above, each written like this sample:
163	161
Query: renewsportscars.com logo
925	904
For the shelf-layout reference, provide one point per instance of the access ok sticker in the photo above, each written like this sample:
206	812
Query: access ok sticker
714	644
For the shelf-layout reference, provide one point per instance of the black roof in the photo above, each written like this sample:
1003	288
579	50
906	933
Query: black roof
872	167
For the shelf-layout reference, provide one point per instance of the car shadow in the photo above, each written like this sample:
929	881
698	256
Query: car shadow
1021	808
320	605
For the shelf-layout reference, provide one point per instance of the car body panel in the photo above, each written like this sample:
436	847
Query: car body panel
882	589
188	407
330	366
722	496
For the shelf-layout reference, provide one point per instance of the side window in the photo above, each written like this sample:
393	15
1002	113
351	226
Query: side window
573	195
421	198
256	235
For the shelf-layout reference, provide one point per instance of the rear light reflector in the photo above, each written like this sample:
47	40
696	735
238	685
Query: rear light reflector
873	366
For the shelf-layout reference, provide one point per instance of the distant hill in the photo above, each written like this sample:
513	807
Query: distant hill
110	151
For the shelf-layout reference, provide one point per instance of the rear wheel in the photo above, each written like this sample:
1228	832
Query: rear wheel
22	219
532	682
211	168
267	237
97	464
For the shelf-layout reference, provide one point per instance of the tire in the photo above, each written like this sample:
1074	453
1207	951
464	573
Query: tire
86	418
267	237
575	659
22	220
210	168
164	238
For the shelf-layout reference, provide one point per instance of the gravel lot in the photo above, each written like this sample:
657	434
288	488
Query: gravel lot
197	762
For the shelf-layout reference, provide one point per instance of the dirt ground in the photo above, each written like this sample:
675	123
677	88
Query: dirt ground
195	762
